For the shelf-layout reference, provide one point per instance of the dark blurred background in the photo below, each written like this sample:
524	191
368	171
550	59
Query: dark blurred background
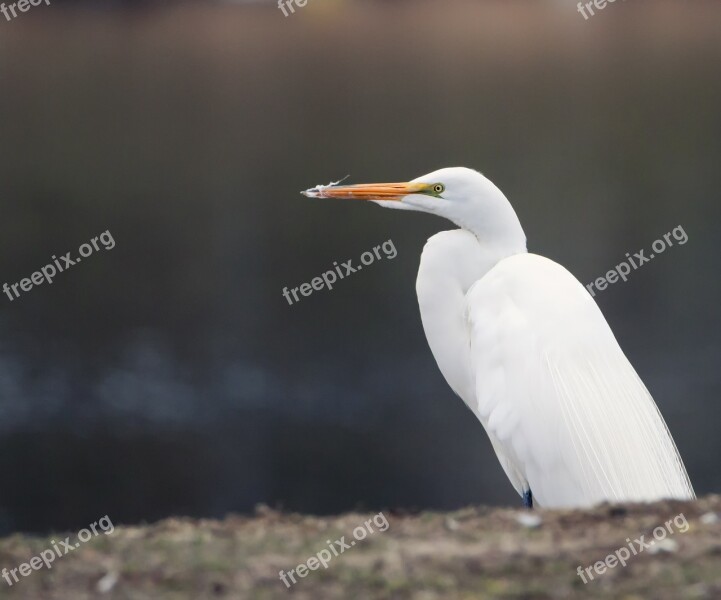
169	376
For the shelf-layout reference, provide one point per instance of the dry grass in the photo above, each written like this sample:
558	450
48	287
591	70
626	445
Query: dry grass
471	553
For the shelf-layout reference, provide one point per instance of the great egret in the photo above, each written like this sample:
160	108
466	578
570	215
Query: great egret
522	342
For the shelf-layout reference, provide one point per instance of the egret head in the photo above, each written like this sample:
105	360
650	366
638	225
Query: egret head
461	195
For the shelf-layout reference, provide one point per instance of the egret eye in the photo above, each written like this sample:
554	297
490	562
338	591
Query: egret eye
438	188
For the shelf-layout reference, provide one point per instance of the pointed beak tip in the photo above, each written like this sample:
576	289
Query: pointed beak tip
371	191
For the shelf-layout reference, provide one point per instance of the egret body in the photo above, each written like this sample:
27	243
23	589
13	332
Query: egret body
525	346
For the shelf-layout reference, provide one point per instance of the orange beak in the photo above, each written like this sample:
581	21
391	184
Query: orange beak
368	191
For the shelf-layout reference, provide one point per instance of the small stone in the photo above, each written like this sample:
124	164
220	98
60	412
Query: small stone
529	520
668	545
709	518
107	582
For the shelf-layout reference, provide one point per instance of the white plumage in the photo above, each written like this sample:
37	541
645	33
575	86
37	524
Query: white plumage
522	342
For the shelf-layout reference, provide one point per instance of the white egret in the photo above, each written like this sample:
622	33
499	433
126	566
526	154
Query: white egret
522	342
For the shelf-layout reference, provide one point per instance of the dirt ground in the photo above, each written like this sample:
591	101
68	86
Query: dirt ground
477	552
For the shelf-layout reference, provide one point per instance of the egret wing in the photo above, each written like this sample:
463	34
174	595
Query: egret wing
555	392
